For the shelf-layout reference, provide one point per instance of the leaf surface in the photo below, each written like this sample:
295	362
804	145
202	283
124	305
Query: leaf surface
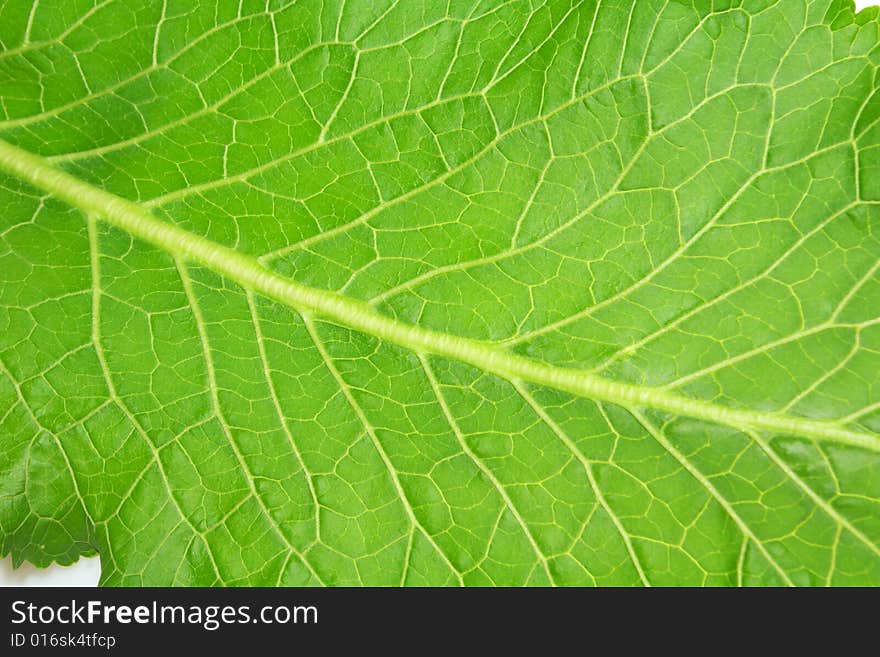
435	293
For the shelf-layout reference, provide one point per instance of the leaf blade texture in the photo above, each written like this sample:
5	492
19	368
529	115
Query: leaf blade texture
472	293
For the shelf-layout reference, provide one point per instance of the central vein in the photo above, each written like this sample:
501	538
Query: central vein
345	311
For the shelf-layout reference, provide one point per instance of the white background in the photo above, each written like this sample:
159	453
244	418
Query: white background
86	571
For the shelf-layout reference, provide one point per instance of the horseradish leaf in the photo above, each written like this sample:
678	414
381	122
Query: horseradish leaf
439	293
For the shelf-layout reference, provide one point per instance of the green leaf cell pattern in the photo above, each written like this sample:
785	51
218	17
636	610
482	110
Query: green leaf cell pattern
456	292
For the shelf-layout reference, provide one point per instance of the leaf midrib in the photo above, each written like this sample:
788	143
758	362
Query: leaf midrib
357	315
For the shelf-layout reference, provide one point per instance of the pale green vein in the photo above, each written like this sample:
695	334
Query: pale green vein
40	430
741	561
218	411
453	424
826	506
591	477
377	445
357	315
716	301
76	102
95	265
276	402
710	487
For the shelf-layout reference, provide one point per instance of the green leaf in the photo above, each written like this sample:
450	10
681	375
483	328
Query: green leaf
426	293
